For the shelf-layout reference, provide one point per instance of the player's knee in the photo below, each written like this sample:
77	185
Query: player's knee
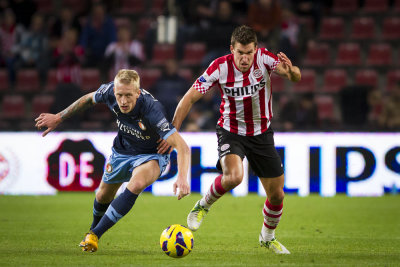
232	180
276	197
103	197
137	186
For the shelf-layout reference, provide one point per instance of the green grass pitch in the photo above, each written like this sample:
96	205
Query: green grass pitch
337	231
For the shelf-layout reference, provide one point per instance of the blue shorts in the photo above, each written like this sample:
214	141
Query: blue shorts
119	167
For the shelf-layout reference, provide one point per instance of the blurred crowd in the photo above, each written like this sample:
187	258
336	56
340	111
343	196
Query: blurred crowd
70	36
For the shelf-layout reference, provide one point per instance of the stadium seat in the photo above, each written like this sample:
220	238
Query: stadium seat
348	54
277	83
332	28
143	26
392	78
193	53
130	7
366	77
344	6
187	74
13	107
100	113
162	52
157	7
122	22
325	104
4	86
307	82
27	81
41	104
363	28
375	6
148	77
379	55
317	55
52	80
44	6
78	6
334	80
390	28
396	6
90	80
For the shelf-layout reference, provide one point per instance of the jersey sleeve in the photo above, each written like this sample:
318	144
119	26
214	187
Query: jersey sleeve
156	116
204	83
269	59
104	91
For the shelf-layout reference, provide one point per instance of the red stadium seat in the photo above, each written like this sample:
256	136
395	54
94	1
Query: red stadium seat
13	107
157	7
122	22
392	78
131	6
379	55
193	53
3	80
307	82
390	28
41	104
332	28
52	80
44	6
375	6
318	55
334	80
143	26
348	54
162	52
27	81
344	6
326	107
367	77
148	77
363	28
277	83
90	80
187	74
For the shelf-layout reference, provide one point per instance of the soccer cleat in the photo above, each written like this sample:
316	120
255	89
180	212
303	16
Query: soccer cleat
89	243
196	216
273	245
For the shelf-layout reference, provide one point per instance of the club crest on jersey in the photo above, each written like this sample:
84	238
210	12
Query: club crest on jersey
202	79
109	168
141	125
257	73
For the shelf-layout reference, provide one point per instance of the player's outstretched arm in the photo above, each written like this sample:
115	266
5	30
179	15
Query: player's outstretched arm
286	69
51	121
176	141
191	96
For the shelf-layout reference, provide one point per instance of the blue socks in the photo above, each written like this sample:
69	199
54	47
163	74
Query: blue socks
119	207
98	211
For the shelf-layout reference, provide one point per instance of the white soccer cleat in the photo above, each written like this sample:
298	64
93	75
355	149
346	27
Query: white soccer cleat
273	245
196	216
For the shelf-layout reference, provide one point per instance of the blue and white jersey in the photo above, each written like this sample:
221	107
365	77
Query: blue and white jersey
138	130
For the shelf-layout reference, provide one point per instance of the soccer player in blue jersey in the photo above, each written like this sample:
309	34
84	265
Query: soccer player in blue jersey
141	123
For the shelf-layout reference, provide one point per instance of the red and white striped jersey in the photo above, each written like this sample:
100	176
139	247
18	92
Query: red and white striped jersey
246	104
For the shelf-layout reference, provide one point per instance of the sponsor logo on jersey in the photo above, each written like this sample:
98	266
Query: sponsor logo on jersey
163	125
141	125
257	73
109	168
244	91
202	79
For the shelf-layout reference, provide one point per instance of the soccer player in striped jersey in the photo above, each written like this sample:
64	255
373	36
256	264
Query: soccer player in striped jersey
134	159
244	130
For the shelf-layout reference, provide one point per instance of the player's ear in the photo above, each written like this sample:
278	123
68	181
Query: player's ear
231	48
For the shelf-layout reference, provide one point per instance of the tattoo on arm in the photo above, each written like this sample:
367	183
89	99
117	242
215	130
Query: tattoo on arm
79	105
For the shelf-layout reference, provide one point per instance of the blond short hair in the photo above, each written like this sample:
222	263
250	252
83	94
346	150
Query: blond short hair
126	76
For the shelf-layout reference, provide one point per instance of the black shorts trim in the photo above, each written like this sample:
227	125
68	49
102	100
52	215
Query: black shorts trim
260	151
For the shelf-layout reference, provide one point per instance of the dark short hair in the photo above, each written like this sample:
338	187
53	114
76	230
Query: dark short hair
243	35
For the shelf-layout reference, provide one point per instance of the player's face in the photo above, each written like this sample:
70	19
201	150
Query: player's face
126	95
243	55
